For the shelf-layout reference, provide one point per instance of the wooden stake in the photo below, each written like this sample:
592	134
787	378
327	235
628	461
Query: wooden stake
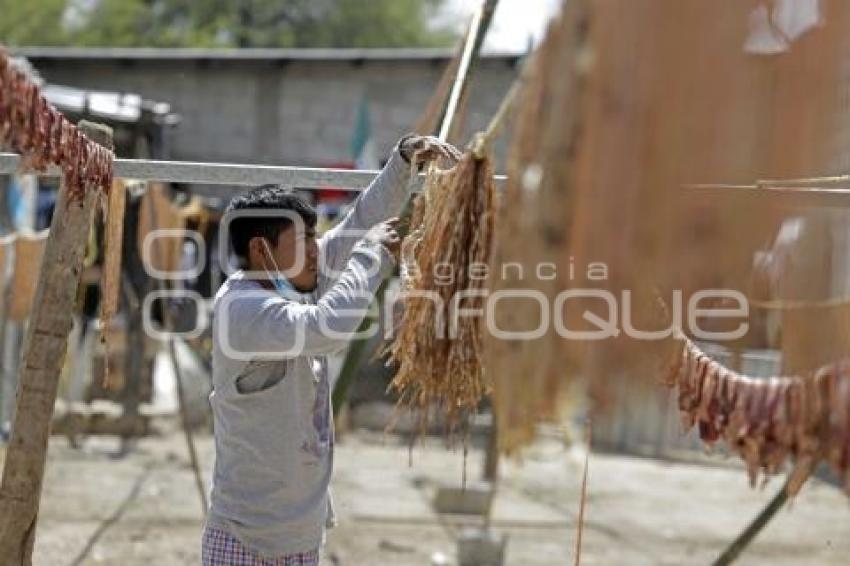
43	353
583	501
187	428
746	537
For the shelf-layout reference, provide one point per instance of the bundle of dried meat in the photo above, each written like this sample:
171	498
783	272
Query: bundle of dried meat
32	127
438	347
533	224
618	116
767	421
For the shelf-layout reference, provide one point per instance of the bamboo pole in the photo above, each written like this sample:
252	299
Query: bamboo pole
43	352
472	47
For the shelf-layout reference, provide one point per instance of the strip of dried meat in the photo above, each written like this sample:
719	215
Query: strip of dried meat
767	422
29	125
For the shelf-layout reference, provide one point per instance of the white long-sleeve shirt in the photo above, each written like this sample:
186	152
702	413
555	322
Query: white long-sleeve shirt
271	394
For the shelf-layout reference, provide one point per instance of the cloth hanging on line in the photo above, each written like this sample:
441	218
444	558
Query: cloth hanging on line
157	212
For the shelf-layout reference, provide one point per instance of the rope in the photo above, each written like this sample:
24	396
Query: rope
763	188
783	304
803	181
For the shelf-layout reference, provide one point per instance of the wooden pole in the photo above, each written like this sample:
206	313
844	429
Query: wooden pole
43	353
491	456
745	538
187	428
474	39
178	374
134	366
583	500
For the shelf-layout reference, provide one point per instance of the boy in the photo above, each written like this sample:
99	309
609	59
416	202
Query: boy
297	300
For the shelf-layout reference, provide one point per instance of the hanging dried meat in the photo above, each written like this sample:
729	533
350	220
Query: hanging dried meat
767	421
533	223
437	349
29	125
611	130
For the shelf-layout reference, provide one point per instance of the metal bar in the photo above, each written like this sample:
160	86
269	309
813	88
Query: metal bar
219	173
224	173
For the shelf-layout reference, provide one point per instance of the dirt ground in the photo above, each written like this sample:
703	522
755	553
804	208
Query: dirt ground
143	509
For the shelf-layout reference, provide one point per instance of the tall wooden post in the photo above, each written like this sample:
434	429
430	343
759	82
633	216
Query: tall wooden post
42	356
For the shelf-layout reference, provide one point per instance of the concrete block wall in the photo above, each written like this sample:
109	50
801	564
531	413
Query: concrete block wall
292	113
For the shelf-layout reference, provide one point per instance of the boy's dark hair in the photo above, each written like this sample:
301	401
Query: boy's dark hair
266	197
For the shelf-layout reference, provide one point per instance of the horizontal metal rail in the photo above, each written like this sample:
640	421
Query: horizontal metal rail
225	173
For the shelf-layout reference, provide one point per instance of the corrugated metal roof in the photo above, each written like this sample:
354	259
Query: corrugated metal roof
118	106
164	54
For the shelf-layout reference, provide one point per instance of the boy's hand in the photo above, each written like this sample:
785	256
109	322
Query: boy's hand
386	234
424	149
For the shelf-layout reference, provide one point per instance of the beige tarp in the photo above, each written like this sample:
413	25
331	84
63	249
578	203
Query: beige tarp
28	249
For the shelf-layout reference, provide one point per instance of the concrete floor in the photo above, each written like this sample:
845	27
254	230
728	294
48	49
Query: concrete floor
143	509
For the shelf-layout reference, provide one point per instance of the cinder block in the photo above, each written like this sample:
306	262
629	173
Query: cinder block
481	547
475	499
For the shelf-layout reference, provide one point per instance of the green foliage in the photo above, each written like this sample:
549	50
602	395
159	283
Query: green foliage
221	23
375	23
23	21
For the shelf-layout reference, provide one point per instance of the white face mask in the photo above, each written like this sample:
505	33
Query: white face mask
281	284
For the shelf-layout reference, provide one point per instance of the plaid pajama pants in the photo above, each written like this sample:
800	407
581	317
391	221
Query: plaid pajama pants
223	549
